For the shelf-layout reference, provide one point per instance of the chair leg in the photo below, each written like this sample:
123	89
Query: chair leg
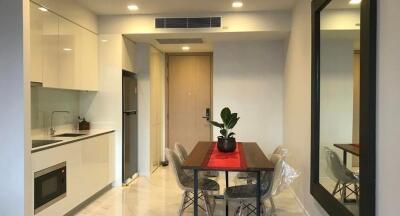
183	202
265	210
239	210
357	192
207	206
336	188
343	193
273	208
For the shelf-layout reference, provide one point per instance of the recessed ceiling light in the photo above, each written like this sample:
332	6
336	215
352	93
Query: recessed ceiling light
133	7
186	48
237	4
104	40
355	1
43	9
67	49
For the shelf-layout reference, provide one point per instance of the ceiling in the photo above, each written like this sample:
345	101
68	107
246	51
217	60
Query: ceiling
342	4
209	39
117	7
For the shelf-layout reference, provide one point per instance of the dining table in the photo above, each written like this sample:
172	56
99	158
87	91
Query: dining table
247	157
353	149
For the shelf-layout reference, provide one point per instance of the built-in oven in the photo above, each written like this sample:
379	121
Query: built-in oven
50	186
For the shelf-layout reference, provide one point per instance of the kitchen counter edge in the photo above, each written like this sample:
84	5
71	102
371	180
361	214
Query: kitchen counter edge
42	148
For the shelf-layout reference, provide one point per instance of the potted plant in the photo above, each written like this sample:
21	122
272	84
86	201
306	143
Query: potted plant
227	141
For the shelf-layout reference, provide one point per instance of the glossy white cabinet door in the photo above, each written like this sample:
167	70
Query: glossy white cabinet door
44	47
63	54
50	50
69	62
36	25
89	61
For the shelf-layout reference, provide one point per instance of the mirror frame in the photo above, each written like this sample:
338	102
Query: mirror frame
368	29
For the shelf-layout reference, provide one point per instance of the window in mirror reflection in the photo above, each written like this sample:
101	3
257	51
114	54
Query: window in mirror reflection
339	101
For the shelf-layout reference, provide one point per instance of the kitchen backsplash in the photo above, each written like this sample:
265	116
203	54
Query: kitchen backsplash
44	101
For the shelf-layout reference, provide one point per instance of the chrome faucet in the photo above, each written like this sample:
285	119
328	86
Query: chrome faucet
52	129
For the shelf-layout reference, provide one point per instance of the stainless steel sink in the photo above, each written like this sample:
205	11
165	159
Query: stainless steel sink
38	143
70	135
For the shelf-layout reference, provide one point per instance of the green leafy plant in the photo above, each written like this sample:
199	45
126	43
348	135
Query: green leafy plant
229	121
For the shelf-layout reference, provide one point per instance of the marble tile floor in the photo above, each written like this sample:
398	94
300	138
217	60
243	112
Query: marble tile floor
159	195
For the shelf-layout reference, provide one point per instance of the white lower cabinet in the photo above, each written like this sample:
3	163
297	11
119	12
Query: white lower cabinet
89	169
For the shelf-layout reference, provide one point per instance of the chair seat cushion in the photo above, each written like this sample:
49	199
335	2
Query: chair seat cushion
247	175
205	184
211	173
246	191
241	191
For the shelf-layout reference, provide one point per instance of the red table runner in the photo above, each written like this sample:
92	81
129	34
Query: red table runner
220	160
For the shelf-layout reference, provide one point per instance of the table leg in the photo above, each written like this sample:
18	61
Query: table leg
226	186
196	192
258	200
345	165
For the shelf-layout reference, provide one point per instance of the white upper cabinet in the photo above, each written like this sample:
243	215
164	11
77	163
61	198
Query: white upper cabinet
50	50
89	61
36	26
128	52
69	51
44	46
63	54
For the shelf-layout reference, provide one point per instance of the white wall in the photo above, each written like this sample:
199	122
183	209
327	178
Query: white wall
231	22
104	108
15	159
247	77
44	101
336	114
142	64
297	104
388	100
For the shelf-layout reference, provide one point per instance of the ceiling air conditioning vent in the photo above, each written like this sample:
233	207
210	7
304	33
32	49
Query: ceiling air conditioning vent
180	41
200	22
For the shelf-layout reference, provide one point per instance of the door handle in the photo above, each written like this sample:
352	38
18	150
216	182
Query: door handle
208	114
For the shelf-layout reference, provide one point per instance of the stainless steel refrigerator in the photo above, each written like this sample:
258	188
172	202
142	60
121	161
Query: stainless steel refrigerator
130	126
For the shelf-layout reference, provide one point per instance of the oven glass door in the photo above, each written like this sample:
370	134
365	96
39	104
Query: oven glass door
50	186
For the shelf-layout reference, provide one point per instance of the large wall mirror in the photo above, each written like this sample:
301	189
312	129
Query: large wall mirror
343	106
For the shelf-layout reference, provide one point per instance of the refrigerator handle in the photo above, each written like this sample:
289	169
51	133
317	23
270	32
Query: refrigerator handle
129	112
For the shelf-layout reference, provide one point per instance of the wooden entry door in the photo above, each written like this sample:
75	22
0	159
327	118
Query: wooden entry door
189	98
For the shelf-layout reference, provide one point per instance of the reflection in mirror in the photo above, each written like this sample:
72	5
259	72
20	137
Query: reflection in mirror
339	101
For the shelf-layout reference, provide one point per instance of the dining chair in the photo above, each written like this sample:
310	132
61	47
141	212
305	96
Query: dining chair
206	186
343	177
250	177
182	153
246	194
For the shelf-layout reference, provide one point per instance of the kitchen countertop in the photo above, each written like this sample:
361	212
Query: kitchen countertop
67	140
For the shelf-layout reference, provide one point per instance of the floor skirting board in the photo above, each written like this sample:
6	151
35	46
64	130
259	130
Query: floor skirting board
298	201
